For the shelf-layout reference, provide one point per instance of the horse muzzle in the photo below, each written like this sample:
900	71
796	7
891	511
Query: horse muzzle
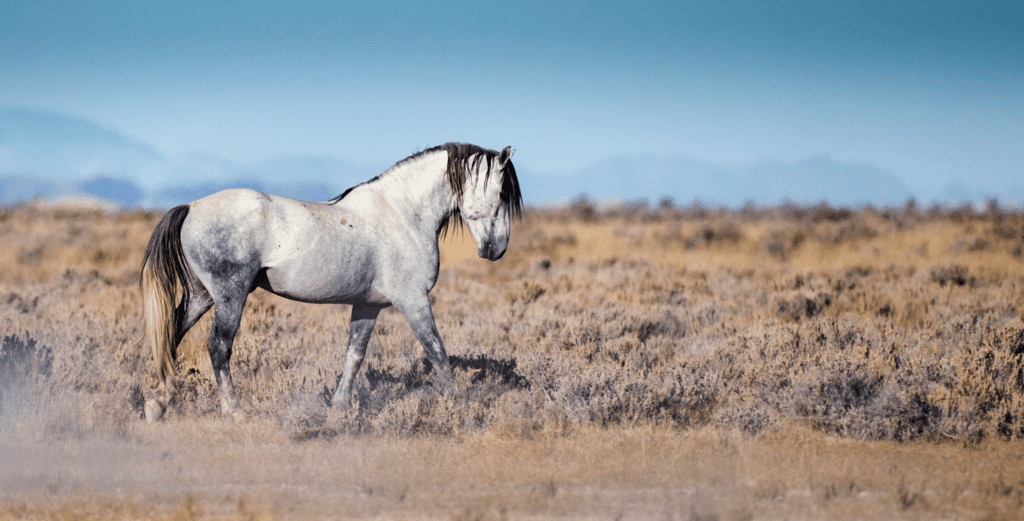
488	251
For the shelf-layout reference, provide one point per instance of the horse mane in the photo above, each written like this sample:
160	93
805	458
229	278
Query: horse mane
462	159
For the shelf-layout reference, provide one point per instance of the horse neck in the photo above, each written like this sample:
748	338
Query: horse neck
421	187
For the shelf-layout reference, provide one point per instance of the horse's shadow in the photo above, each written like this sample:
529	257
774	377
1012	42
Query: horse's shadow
483	378
480	368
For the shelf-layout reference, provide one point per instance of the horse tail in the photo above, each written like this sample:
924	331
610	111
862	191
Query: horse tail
164	270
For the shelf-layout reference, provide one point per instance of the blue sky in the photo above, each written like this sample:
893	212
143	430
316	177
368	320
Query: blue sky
930	91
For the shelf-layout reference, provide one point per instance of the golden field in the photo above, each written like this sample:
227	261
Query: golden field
618	363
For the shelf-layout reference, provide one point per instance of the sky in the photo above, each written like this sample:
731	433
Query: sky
931	91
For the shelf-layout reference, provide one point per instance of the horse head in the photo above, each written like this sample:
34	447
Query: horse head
490	199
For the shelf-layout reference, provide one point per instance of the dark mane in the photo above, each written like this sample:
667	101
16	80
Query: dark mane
462	159
349	189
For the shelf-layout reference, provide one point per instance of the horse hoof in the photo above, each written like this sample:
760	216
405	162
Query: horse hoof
237	415
154	411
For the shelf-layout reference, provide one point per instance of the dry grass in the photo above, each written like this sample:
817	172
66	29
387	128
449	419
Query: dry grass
632	362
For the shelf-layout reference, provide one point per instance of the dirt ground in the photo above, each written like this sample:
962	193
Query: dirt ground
212	469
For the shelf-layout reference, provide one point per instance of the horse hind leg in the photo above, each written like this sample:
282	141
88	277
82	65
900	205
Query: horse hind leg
363	319
186	315
157	405
199	303
227	315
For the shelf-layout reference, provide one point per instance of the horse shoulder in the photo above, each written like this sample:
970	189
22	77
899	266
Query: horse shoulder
408	266
403	258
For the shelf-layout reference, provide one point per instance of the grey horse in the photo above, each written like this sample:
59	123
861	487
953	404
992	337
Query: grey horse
373	246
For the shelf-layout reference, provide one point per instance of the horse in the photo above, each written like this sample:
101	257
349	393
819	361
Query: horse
373	246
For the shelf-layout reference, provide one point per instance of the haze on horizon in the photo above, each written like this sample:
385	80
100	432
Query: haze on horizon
931	92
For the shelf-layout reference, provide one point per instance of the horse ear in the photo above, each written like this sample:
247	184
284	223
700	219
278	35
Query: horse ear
505	155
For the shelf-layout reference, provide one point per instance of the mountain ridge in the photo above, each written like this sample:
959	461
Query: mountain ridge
53	154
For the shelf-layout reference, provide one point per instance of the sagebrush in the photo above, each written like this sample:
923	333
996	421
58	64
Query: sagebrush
896	324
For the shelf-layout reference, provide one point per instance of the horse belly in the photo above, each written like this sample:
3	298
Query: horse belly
312	256
324	286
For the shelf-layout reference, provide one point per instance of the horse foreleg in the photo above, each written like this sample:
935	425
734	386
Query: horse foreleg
421	320
226	318
363	319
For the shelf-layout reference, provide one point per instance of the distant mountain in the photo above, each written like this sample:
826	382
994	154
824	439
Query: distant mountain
60	146
23	188
174	196
685	179
196	170
120	191
49	154
125	193
16	189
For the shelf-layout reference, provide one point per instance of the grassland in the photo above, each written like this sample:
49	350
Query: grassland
629	362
